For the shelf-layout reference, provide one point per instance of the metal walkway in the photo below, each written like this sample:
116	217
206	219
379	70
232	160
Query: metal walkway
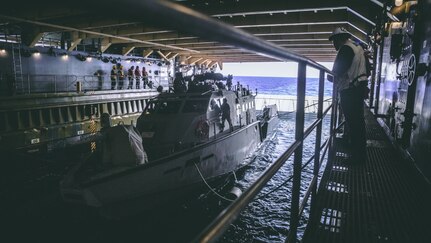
383	200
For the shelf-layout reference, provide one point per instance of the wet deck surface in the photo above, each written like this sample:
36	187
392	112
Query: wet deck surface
384	199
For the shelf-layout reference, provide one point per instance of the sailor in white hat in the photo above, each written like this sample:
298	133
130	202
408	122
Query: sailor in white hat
351	80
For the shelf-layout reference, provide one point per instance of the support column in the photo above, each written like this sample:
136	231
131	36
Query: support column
51	117
119	111
140	106
297	162
113	112
318	139
129	107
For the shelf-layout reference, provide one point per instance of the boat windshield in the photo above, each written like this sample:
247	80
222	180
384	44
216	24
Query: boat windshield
199	106
163	106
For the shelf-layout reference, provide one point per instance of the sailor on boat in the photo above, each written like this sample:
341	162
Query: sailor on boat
225	115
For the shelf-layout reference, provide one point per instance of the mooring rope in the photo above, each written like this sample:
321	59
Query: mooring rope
209	187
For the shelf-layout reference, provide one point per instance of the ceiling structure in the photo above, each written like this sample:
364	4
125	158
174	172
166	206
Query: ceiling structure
298	26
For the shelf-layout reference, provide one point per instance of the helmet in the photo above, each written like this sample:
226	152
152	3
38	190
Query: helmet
114	67
339	32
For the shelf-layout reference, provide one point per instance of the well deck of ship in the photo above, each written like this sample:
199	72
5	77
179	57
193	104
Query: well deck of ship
384	199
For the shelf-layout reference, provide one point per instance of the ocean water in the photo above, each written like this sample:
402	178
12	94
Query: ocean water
281	86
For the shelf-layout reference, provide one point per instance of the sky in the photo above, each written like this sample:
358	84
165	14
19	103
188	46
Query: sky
269	69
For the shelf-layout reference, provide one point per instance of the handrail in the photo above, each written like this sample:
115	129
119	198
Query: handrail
57	83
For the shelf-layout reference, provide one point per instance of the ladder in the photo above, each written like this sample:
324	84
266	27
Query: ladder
17	69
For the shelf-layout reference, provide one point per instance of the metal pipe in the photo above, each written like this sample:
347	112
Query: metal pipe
313	182
318	134
334	112
373	74
297	161
379	78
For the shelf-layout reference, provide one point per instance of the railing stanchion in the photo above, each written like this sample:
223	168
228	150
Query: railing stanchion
333	124
299	136
318	137
373	76
379	79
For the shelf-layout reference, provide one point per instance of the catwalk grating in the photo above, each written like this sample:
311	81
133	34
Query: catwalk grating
383	199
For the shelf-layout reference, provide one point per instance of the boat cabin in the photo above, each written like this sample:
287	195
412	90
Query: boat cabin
173	122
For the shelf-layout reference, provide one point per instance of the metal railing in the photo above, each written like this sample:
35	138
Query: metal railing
289	104
33	84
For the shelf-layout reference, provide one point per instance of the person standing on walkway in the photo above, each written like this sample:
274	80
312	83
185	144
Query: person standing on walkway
113	77
120	75
144	77
131	76
138	77
351	81
225	115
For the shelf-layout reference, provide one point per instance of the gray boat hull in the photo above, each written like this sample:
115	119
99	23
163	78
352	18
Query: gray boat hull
167	180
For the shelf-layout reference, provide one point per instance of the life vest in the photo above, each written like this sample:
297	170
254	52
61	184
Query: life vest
120	74
357	72
137	72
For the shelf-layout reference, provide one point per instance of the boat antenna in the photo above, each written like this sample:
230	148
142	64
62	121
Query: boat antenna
206	92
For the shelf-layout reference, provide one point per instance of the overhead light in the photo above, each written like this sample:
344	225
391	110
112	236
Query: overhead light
398	3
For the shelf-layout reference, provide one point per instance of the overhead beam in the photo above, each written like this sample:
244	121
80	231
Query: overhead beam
76	40
183	59
88	32
36	38
162	55
105	44
127	50
172	56
250	7
192	61
147	53
220	64
322	30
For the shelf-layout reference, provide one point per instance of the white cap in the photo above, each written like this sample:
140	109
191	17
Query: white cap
339	31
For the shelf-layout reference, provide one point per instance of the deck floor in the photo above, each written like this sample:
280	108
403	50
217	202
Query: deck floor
384	199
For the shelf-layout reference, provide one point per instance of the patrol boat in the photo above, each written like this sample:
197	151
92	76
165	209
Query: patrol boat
185	148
